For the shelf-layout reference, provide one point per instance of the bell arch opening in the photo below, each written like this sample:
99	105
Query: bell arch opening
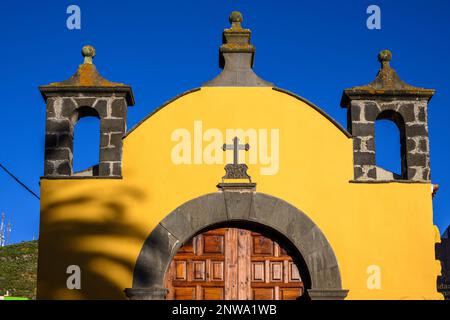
86	141
390	145
227	208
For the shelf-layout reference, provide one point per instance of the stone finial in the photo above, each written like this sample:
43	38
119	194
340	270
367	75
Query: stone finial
385	56
88	53
236	57
236	20
236	39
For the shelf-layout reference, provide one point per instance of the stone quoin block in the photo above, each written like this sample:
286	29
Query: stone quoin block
104	140
408	112
371	111
49	167
57	154
59	125
51	140
104	169
417	130
364	158
363	130
421	114
417	160
115	139
50	111
118	108
65	140
116	169
102	108
113	125
64	168
110	154
68	108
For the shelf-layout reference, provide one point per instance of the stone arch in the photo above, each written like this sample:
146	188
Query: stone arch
84	112
218	208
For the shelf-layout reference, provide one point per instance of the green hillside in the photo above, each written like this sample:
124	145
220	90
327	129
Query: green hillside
18	267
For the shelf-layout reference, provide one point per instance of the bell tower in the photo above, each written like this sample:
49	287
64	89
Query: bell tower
388	97
86	93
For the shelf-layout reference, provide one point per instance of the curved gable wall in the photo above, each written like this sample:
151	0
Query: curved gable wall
310	145
315	156
102	224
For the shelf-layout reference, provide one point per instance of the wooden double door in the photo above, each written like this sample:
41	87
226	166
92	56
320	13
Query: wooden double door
232	264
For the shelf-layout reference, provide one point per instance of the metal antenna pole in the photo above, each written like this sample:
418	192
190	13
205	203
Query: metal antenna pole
2	231
8	232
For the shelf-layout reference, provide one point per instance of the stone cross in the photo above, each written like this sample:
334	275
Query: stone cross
236	147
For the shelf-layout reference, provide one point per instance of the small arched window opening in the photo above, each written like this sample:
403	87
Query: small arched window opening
390	144
86	141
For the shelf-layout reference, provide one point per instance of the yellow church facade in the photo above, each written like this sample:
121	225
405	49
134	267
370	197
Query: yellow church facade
316	218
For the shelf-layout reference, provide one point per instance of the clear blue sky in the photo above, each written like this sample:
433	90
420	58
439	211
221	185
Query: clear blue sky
162	48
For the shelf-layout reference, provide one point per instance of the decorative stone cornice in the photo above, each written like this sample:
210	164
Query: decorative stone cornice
236	56
386	84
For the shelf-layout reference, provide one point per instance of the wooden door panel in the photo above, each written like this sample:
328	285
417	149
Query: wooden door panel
213	293
233	264
294	274
263	293
290	293
276	271
187	247
217	271
258	271
180	270
213	243
184	293
199	271
261	245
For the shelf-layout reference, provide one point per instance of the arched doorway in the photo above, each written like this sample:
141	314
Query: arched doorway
233	264
310	246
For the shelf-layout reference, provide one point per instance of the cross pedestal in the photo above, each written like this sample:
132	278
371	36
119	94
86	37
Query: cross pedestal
236	171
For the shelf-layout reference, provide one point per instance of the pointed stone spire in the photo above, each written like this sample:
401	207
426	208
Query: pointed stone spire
236	57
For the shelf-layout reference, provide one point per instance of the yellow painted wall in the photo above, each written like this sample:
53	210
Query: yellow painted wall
101	224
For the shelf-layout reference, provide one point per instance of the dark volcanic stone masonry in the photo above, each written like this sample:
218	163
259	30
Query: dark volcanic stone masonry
388	97
86	93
